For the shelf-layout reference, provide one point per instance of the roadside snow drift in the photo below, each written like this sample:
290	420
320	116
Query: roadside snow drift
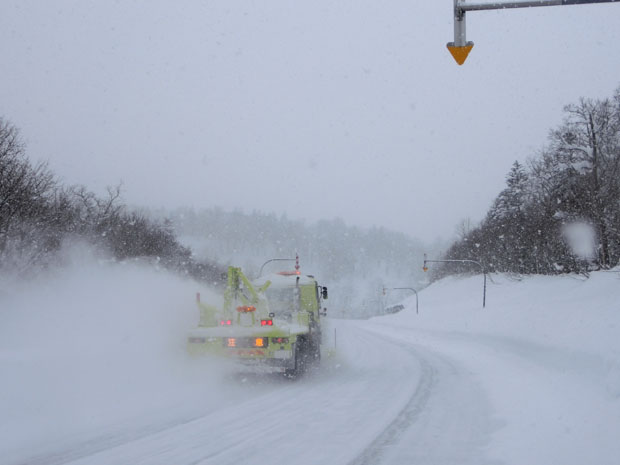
545	349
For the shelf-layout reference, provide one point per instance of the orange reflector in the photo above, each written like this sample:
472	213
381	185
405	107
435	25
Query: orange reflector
259	342
231	342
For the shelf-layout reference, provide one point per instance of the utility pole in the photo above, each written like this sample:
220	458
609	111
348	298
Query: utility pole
460	48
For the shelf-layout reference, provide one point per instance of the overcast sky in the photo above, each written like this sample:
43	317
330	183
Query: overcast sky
321	109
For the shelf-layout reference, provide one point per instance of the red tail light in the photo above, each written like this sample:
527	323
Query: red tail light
225	322
266	322
279	340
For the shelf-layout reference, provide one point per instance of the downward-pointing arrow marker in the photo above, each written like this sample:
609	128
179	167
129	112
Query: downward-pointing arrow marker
460	53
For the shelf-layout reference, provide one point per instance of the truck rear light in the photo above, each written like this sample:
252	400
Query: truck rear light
279	340
246	309
266	322
246	342
225	322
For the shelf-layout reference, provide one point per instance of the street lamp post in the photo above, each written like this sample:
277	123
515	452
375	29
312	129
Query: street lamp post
484	272
409	289
275	260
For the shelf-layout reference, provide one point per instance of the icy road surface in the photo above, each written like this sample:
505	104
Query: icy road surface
512	384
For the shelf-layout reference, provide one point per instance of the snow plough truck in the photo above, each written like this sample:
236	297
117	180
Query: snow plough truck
270	324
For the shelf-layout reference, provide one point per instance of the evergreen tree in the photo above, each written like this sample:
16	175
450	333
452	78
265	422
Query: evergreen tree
576	178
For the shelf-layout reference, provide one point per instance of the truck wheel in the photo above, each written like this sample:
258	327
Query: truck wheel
301	358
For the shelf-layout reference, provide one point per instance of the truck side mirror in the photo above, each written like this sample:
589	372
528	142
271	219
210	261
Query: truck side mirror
324	292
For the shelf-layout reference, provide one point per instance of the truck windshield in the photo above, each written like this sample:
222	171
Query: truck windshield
283	301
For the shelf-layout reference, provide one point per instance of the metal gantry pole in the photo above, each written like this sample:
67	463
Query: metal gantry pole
460	36
478	6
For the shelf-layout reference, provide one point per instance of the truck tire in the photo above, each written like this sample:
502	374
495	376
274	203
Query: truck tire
300	355
313	354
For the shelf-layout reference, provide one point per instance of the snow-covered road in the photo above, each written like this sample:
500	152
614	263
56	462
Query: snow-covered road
381	400
533	378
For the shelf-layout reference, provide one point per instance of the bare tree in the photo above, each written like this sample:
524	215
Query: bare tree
24	189
587	150
464	228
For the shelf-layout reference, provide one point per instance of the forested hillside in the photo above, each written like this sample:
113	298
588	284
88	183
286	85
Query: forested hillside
355	263
38	215
560	212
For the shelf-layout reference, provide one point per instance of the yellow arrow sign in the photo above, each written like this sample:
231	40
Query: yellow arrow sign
460	53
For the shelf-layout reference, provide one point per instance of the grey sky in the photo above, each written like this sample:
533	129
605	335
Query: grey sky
349	108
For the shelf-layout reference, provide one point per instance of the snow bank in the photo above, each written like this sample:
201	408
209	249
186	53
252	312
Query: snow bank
571	312
546	350
571	320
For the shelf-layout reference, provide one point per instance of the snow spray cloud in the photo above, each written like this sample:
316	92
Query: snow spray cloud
95	344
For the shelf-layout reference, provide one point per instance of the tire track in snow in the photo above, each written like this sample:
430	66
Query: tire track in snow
406	417
447	420
104	442
100	443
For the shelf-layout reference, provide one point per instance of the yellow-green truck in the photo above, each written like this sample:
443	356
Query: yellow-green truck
271	324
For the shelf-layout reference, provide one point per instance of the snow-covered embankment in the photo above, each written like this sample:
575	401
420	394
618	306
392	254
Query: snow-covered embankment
545	349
